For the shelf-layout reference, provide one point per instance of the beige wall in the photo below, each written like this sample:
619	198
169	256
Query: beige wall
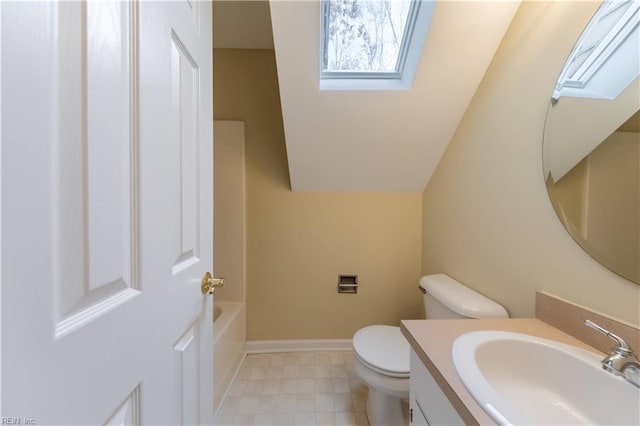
569	195
229	210
612	203
487	219
298	243
599	202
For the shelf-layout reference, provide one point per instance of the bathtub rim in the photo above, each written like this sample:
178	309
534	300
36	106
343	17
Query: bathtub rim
229	311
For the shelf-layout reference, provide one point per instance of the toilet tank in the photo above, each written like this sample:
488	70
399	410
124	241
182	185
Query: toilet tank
446	298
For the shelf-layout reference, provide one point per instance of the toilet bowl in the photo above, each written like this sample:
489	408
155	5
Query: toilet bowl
381	360
381	353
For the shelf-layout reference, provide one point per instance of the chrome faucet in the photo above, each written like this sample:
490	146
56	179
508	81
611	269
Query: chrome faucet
621	361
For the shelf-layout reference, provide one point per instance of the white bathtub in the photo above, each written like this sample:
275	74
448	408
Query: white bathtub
228	345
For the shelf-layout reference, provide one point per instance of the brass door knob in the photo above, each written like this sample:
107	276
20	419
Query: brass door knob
209	284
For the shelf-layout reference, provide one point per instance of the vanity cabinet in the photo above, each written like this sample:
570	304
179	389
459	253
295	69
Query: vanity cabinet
428	405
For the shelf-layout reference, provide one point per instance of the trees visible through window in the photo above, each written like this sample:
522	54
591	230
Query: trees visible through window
365	35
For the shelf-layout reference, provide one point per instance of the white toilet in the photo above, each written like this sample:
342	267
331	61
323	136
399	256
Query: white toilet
381	353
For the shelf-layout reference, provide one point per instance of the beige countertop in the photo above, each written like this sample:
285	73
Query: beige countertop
432	340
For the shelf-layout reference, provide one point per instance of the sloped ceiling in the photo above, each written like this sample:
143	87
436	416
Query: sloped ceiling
380	140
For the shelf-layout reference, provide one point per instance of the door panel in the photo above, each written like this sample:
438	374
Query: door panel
106	212
193	9
188	349
128	413
94	185
185	106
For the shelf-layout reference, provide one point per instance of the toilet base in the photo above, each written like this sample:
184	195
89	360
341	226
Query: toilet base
386	410
387	401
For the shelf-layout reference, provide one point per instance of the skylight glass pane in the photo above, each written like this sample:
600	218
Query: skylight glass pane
608	18
364	35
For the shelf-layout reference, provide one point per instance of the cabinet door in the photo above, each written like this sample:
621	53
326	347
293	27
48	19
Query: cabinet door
429	404
418	417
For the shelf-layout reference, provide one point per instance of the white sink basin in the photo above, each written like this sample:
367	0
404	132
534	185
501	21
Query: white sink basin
522	379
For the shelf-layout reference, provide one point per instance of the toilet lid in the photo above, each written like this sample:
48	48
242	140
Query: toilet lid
383	347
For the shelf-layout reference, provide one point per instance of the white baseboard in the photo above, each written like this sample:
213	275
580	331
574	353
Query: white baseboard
267	346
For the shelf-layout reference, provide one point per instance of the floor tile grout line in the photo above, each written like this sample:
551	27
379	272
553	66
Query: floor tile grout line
346	390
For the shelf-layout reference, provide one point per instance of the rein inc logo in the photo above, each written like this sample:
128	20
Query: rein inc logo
17	421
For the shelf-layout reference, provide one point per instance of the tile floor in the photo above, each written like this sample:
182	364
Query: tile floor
296	388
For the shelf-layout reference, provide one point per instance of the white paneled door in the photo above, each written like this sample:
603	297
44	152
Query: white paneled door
106	163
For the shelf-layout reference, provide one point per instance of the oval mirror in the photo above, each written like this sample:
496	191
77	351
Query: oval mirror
591	150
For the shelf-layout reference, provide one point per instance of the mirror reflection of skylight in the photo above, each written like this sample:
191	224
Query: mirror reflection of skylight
372	44
606	58
364	35
608	17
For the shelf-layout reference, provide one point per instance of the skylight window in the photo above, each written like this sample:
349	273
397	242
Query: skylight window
605	59
372	44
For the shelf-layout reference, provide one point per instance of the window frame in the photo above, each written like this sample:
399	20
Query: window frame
413	38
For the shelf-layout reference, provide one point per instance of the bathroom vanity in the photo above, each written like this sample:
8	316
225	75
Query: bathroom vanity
438	396
437	393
